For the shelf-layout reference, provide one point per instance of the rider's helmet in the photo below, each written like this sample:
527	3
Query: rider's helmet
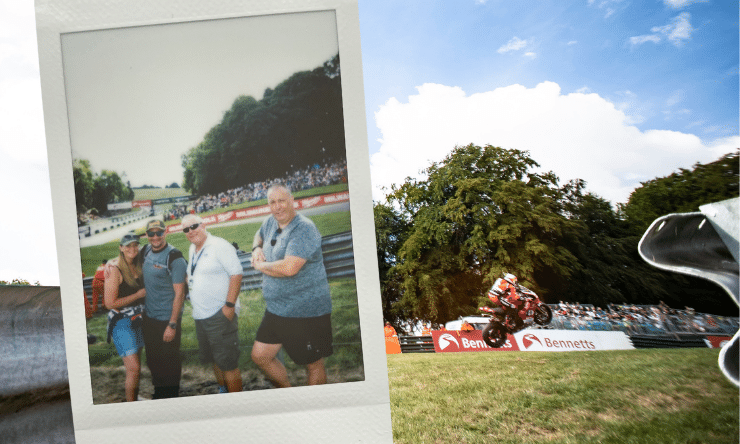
510	278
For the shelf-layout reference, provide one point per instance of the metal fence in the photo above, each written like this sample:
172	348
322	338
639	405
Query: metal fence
339	260
670	325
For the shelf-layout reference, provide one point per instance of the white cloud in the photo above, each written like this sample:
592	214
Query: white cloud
678	31
680	4
583	90
530	55
515	44
575	135
640	39
608	6
635	110
572	42
674	98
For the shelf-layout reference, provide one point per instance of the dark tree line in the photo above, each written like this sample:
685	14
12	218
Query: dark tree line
94	191
297	124
482	211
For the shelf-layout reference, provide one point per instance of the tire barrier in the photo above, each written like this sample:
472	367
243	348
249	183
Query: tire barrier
32	345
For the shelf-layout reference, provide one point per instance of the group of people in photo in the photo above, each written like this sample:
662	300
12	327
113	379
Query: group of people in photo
145	290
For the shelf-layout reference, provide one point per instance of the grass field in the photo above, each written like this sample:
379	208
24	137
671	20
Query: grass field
158	193
633	396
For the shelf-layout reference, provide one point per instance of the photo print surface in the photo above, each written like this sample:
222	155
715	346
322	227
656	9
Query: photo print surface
202	119
214	161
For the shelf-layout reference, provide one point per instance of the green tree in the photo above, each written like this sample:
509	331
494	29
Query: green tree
84	182
109	188
682	192
481	212
298	123
391	231
18	281
611	270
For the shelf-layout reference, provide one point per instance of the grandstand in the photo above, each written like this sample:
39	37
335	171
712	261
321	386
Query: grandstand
311	176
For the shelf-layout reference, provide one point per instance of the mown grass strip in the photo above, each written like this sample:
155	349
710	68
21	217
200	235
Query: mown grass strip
635	396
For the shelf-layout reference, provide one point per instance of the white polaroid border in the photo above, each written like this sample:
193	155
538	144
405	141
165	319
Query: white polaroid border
334	413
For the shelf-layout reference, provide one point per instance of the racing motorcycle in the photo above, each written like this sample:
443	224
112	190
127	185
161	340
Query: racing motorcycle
531	310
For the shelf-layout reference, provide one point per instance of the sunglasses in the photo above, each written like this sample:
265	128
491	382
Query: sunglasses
274	239
155	233
192	227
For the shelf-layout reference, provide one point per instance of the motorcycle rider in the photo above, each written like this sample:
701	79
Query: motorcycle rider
505	289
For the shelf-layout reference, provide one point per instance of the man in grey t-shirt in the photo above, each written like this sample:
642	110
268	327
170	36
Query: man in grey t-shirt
287	250
164	269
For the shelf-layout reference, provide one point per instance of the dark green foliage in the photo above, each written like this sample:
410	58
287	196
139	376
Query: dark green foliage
295	125
96	191
683	192
109	188
391	231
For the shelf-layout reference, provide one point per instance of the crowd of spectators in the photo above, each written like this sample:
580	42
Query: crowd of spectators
302	179
639	319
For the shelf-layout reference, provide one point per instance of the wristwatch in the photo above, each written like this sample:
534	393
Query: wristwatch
229	304
172	325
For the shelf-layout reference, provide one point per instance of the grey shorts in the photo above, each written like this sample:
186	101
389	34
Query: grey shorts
218	341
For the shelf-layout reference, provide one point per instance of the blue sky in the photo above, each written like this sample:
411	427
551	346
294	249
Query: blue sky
613	92
684	83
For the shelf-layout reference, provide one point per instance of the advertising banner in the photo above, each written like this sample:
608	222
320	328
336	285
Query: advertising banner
141	203
166	200
717	341
466	341
84	231
571	340
119	206
533	340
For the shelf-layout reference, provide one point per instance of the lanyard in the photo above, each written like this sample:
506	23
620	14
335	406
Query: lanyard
194	261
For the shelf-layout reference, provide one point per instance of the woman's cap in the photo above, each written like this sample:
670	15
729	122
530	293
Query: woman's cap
129	239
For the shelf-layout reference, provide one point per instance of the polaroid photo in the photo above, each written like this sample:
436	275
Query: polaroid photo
212	203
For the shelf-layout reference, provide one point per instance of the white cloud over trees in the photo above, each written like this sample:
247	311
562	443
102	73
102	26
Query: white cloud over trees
576	135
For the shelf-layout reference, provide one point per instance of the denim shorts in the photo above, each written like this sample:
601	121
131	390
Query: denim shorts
127	339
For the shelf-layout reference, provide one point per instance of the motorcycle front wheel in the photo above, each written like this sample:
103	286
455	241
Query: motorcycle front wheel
543	315
494	334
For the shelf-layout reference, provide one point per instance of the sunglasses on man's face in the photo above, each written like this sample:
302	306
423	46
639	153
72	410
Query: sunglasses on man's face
192	227
155	233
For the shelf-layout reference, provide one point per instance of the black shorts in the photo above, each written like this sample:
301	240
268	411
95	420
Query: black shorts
306	340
